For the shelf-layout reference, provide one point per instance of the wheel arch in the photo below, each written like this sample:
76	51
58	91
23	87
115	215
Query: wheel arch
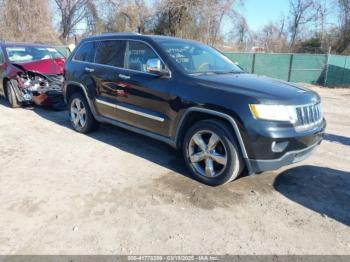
71	88
74	87
198	114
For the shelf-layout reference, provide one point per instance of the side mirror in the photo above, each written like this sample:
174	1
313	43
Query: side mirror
155	66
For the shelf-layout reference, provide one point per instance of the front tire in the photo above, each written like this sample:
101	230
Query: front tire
11	95
80	114
211	153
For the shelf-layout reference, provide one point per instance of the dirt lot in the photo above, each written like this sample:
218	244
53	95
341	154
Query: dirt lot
115	192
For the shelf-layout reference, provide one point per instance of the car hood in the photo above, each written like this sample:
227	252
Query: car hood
45	67
262	89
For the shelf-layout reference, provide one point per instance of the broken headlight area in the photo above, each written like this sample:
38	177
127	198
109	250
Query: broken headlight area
42	90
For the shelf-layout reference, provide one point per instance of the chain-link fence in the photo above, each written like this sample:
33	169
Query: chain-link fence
328	70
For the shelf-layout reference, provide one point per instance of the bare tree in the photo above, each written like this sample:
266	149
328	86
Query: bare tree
121	16
175	17
301	13
201	19
242	30
216	11
322	13
240	33
72	12
27	21
92	19
273	38
282	26
343	43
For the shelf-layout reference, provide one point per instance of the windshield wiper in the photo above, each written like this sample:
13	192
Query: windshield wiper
229	72
203	73
217	73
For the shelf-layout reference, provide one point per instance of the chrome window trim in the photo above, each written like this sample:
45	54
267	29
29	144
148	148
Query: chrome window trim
129	110
115	67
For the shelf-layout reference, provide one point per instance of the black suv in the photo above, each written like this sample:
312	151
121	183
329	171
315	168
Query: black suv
192	97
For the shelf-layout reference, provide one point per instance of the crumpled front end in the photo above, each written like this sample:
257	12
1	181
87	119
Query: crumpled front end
42	90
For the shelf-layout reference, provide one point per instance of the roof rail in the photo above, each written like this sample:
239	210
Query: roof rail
119	33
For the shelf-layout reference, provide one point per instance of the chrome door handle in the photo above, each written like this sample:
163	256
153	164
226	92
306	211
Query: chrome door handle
87	69
125	77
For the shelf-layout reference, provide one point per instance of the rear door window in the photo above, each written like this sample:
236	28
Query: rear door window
110	52
86	52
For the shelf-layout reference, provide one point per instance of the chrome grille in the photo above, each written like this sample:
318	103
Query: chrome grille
308	116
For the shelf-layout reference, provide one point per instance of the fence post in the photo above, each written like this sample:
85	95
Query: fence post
253	63
290	67
327	67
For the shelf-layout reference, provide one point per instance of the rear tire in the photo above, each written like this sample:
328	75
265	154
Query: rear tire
212	153
11	95
80	115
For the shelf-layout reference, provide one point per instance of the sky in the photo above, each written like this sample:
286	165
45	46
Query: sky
261	12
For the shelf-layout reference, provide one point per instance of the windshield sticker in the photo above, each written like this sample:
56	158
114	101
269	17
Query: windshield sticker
14	49
20	58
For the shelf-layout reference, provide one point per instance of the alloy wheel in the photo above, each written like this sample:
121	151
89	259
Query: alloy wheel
207	154
78	113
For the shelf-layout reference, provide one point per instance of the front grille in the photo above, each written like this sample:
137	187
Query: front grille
308	116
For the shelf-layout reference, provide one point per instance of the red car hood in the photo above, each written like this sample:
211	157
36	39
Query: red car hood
45	67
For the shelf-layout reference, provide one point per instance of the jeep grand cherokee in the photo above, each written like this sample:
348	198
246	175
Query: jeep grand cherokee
195	99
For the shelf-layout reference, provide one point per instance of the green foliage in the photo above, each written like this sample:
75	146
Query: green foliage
312	45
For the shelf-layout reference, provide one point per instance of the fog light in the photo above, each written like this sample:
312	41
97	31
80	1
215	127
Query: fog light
279	147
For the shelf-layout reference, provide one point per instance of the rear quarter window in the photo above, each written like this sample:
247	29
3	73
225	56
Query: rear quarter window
86	52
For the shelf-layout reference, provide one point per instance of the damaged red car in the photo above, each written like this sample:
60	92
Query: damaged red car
31	73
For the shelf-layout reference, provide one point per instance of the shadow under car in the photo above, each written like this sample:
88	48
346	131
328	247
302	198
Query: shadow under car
323	190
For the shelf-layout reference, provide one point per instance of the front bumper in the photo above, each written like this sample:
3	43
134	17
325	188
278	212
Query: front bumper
51	99
258	166
297	149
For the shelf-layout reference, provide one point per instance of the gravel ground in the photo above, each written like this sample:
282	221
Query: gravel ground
115	192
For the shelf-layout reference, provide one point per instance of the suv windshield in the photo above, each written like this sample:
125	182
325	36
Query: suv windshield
31	53
196	58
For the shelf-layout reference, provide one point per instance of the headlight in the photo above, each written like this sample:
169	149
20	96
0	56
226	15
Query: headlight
274	112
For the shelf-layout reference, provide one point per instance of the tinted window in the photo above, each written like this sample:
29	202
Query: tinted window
137	56
86	52
110	52
1	57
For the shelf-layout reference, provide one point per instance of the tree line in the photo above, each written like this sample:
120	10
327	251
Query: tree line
310	25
